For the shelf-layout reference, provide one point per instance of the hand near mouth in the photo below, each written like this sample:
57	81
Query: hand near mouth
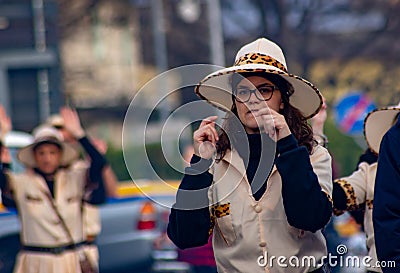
274	123
205	138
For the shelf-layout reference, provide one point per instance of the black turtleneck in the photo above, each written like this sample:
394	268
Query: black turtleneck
258	164
306	206
49	178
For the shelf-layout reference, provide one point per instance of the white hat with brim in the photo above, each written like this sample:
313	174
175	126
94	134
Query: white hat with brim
42	135
265	56
377	123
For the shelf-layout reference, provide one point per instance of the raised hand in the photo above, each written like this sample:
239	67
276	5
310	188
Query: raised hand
5	122
71	122
205	138
318	121
273	123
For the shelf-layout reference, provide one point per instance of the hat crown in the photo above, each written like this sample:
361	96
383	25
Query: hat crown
46	132
265	47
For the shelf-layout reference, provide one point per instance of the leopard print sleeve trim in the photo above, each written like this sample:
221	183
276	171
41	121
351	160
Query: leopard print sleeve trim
348	189
218	211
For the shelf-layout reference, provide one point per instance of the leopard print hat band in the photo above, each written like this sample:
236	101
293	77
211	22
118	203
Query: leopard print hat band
258	58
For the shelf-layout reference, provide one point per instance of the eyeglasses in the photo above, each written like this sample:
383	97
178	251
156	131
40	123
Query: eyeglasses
263	93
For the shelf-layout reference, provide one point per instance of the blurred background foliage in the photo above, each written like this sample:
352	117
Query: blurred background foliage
155	154
344	150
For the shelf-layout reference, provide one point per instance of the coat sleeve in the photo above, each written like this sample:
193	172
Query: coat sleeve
306	184
6	187
6	193
7	198
349	193
190	221
386	212
96	182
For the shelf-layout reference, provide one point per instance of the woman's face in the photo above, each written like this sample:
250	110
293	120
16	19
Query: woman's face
246	110
47	157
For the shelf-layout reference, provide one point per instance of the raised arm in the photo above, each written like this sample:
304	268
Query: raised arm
349	193
108	175
190	221
5	160
97	163
306	185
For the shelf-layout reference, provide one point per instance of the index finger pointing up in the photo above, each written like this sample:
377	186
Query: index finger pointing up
208	120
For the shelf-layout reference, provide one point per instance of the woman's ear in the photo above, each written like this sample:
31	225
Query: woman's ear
282	105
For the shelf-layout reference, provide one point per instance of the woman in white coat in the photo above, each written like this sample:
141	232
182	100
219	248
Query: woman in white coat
48	197
262	184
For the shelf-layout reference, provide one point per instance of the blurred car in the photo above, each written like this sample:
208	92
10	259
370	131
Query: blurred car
130	223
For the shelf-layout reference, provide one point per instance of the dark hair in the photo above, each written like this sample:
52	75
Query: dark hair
296	121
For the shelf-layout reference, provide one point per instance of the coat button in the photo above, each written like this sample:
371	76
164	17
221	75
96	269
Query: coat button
262	244
258	208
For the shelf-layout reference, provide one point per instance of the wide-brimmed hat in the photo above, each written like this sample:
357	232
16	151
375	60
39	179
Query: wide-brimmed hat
377	123
47	134
261	55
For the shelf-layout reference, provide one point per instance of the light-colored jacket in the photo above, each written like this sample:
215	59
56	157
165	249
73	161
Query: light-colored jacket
359	190
40	225
249	232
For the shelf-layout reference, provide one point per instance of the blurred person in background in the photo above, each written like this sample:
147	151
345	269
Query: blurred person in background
48	197
339	231
368	157
386	215
265	201
357	190
91	214
110	179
